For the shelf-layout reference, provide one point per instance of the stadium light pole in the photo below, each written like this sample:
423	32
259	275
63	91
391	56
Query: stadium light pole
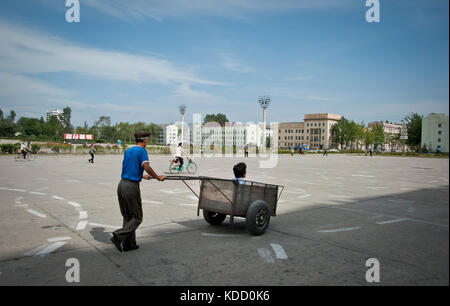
264	102
182	108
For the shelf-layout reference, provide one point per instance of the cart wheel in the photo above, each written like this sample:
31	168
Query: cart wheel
213	218
258	217
192	168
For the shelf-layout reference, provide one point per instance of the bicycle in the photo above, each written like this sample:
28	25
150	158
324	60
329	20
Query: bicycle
190	166
19	156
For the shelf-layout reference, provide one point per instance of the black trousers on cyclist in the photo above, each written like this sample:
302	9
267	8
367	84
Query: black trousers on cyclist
180	159
24	153
92	158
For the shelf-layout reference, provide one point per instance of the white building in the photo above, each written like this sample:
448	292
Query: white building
54	112
229	135
171	134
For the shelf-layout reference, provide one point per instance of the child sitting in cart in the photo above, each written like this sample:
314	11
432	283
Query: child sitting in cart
240	172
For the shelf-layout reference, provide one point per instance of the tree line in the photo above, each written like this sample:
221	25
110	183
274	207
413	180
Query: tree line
55	127
351	135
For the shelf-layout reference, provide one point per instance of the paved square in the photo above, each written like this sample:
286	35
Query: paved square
334	214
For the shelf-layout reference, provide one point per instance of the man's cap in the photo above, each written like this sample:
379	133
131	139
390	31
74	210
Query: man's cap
141	134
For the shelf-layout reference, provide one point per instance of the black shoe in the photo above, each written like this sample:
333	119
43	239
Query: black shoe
117	243
130	248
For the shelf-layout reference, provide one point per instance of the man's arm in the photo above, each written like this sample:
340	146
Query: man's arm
152	173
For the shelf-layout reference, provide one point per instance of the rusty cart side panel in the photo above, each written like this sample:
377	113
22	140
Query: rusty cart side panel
216	195
251	192
231	198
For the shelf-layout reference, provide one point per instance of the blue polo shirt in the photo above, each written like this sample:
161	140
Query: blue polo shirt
133	163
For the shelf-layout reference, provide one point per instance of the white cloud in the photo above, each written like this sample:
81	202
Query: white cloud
185	90
13	84
158	10
30	52
234	64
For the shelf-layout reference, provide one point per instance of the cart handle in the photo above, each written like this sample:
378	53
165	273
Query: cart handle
282	188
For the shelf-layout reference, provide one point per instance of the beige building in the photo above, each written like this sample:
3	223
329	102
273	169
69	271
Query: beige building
315	132
291	134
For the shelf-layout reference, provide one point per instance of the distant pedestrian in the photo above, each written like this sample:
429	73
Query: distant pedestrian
246	151
371	152
92	152
292	152
325	152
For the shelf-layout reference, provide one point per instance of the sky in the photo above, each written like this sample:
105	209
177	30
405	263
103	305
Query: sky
138	60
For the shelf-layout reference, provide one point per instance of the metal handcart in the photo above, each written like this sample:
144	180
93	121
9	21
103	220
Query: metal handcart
254	201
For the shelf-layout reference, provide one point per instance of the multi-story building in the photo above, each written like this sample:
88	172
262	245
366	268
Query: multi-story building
390	129
292	134
315	132
171	135
230	134
435	132
53	113
319	130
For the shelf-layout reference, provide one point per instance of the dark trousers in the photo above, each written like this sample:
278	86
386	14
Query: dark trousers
129	195
92	158
181	161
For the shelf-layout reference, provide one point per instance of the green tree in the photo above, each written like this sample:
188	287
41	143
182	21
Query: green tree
65	119
378	135
12	116
219	118
1	115
414	127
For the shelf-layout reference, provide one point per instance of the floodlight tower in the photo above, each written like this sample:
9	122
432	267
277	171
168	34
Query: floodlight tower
182	108
264	102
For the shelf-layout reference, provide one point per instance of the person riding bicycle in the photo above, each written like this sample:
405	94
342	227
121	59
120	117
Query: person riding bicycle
24	150
179	155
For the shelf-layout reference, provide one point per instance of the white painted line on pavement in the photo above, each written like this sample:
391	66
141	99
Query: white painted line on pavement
38	193
266	255
33	212
219	235
152	202
304	196
74	204
51	248
81	225
187	204
83	215
361	175
279	251
18	190
58	239
21	205
392	221
401	201
347	229
18	200
57	198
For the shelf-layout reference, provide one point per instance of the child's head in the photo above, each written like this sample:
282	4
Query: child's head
240	170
